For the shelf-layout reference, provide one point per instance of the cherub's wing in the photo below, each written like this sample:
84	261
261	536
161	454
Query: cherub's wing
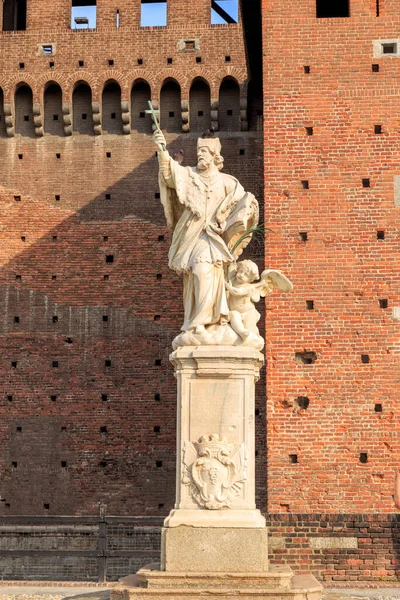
271	279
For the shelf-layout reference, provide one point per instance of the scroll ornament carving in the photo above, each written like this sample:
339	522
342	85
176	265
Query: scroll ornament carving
215	471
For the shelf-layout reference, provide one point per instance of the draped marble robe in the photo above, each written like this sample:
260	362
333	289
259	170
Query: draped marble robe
195	206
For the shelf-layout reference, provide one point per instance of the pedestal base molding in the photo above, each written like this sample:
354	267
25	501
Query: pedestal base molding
214	549
279	583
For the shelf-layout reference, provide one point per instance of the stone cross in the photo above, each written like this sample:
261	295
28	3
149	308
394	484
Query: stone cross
154	114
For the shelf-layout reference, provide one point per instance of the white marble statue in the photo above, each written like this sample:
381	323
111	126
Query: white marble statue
208	212
243	293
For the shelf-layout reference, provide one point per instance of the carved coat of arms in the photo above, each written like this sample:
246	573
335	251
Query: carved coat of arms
215	470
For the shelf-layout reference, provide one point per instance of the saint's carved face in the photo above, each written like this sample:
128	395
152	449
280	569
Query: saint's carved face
205	158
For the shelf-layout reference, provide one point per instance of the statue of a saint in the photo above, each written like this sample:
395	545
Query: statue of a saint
208	211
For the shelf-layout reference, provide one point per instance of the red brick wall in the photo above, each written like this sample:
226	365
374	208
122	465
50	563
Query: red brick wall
80	199
339	549
342	267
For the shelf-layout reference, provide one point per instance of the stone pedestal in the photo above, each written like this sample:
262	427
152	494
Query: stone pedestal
214	542
216	400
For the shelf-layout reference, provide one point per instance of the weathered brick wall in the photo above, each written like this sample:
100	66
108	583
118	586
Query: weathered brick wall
89	307
338	548
326	236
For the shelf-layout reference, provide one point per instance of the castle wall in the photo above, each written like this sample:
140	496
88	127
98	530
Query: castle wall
331	158
89	308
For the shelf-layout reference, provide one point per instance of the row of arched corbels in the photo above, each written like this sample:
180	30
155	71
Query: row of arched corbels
97	85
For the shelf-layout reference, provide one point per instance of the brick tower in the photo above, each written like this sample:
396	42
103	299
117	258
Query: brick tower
331	74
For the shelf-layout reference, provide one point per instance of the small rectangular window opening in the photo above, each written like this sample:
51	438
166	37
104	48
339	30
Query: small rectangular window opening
383	303
377	129
380	234
332	8
307	69
366	183
375	68
83	14
47	49
224	11
293	459
117	19
390	48
153	14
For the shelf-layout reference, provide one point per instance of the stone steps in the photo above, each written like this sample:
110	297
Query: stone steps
277	584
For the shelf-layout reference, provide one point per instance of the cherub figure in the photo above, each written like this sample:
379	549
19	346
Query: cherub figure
243	293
